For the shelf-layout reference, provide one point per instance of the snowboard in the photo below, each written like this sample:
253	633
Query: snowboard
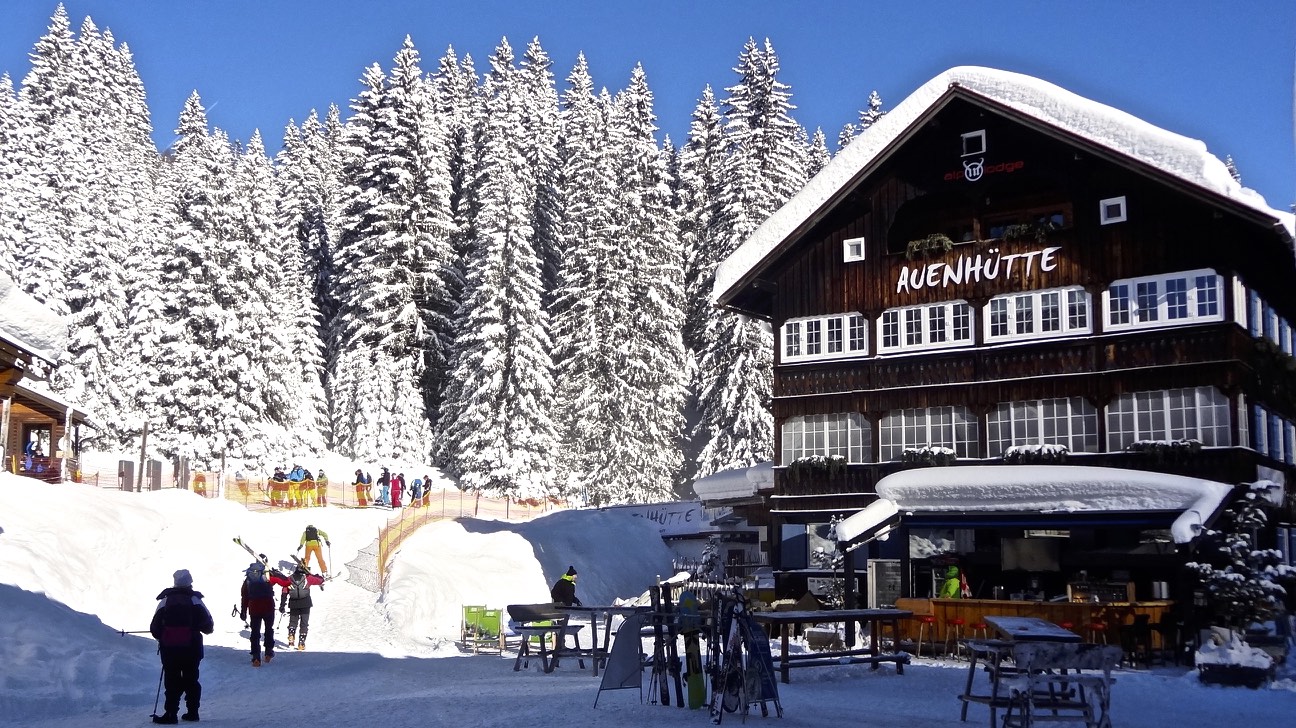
691	627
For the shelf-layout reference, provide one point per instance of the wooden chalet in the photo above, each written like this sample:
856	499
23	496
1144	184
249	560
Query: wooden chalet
1002	272
32	338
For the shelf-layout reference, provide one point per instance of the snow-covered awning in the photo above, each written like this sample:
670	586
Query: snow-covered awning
735	484
1056	490
1181	158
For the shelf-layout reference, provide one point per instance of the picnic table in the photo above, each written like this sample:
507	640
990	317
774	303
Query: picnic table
540	623
1046	674
875	619
596	652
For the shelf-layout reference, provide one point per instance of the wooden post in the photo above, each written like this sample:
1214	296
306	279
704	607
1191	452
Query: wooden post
139	477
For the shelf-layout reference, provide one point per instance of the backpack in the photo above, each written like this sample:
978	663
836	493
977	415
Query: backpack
312	533
177	621
258	587
300	588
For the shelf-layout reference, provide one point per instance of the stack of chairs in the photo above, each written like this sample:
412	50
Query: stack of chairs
481	629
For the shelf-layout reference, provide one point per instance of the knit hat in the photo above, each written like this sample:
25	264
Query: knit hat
183	578
951	572
571	571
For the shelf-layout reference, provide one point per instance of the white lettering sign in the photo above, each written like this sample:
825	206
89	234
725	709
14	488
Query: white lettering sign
975	268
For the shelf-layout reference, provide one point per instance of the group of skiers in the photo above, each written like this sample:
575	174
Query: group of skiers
297	488
181	619
391	488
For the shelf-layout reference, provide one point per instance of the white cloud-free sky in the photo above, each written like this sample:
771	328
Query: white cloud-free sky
1216	71
77	564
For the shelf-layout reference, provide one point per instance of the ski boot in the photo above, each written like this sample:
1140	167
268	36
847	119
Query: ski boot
301	644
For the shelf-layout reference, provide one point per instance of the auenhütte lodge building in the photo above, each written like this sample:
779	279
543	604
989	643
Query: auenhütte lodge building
1002	273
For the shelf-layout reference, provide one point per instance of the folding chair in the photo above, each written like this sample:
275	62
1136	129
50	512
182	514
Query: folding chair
490	631
470	624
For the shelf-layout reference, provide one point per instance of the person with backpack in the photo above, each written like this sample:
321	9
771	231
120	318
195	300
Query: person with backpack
311	538
361	489
179	622
296	600
258	603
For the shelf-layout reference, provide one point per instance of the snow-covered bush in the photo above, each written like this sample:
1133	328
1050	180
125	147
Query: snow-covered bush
1243	585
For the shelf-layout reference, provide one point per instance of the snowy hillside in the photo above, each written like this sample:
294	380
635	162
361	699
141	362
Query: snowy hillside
79	564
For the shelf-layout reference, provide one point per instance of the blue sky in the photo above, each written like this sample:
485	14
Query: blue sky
1220	71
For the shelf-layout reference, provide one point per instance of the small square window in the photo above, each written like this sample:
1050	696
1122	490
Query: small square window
853	249
1112	210
974	142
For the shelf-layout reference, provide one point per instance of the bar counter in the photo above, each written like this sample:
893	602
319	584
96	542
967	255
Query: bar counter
1079	615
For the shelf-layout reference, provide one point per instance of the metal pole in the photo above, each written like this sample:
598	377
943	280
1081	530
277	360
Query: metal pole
159	693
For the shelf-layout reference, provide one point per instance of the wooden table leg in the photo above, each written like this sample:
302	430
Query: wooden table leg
783	663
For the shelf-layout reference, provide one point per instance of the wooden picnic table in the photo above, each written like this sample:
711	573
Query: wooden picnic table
1030	629
991	653
597	653
875	619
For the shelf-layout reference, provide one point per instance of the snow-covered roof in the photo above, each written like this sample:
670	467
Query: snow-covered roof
1179	156
735	483
30	326
1042	489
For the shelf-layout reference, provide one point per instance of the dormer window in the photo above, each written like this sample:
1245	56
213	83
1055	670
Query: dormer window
852	249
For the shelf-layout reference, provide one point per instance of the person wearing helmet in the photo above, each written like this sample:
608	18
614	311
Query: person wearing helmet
952	587
311	538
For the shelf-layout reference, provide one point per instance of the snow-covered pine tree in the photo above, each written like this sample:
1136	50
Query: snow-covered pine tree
581	315
764	166
867	118
500	417
200	354
1244	584
646	428
818	156
539	139
395	265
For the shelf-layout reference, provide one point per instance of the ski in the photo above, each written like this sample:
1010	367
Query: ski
690	621
672	647
259	557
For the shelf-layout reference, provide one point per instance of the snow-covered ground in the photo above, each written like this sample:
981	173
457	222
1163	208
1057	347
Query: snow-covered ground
78	565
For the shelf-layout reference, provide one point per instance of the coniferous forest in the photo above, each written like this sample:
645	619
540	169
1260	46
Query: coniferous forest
476	264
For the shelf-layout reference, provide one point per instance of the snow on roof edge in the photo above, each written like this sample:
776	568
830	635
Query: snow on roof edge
1182	157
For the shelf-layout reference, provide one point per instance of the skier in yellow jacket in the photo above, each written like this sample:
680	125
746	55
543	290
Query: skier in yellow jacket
311	538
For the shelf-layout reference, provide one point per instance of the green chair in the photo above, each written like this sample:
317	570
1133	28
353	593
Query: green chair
490	631
470	625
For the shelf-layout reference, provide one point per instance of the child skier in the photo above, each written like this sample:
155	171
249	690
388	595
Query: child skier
296	599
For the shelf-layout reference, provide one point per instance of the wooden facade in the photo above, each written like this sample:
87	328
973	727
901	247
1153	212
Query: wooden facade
1047	186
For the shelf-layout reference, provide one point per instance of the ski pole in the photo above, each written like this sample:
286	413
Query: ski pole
124	632
159	693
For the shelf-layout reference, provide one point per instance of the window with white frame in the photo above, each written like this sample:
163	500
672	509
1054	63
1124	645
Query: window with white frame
951	427
974	142
1170	299
845	434
824	337
852	249
1071	422
1038	314
1112	210
1193	413
933	326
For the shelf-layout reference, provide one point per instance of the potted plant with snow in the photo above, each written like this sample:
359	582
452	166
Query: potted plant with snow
1244	588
